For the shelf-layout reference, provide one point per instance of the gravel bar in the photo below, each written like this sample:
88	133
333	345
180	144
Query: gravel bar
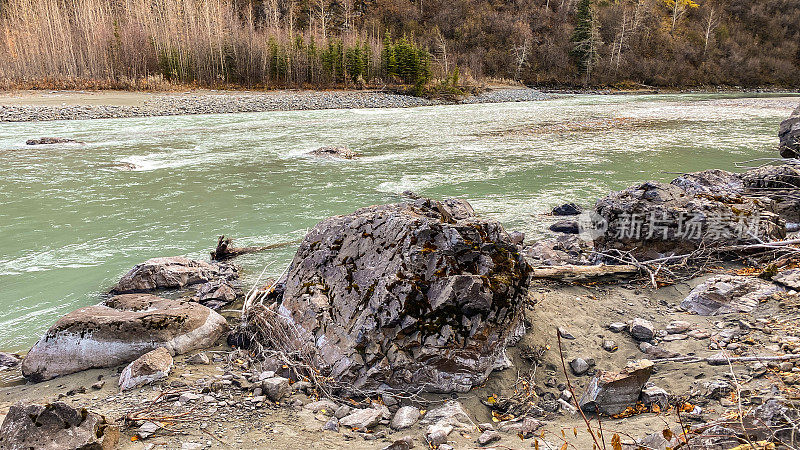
182	104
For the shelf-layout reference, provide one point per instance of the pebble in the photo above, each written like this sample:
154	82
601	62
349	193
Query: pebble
564	333
617	327
579	366
488	436
678	326
642	329
610	346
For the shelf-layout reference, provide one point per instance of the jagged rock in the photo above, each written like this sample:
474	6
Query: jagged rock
366	418
217	293
408	295
717	437
789	278
714	183
567	209
405	417
642	329
579	366
655	219
276	388
656	351
148	368
172	272
789	135
8	360
652	394
199	359
774	420
780	184
335	152
657	441
566	227
723	294
451	413
517	237
120	330
55	426
51	140
331	425
611	393
557	251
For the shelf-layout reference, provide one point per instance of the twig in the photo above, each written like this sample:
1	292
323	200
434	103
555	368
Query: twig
572	391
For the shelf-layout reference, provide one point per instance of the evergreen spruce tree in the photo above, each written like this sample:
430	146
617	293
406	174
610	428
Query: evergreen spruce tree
388	57
584	39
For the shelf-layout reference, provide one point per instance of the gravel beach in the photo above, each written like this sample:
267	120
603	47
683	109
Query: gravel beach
56	105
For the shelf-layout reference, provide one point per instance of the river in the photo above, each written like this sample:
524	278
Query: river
74	218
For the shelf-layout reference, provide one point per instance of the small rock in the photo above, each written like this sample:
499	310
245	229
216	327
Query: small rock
675	337
485	426
566	227
437	434
147	429
8	360
342	411
564	333
405	417
617	327
324	406
785	366
331	425
642	329
678	326
451	413
199	359
579	366
187	397
567	209
276	388
698	334
488	436
612	392
610	346
99	385
366	418
148	368
405	443
652	394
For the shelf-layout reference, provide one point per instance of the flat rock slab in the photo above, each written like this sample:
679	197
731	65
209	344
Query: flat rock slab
120	330
55	426
789	278
172	272
366	418
724	294
611	393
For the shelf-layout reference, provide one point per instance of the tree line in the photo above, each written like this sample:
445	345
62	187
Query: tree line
319	43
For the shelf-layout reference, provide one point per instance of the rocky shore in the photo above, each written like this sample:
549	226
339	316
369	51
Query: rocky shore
670	320
242	102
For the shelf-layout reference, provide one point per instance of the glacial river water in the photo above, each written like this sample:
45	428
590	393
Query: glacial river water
74	218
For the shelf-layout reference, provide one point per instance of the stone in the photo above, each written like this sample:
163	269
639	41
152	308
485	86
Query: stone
405	443
405	417
517	237
8	360
642	329
331	425
652	394
789	278
217	293
778	184
525	426
188	397
698	334
611	393
653	220
199	359
609	345
565	226
437	434
99	385
451	413
557	251
366	418
678	327
170	273
335	152
147	429
56	426
487	437
656	351
789	136
675	337
724	294
579	366
773	420
148	368
617	327
51	140
567	209
565	334
342	411
120	330
713	183
324	406
276	388
657	441
418	295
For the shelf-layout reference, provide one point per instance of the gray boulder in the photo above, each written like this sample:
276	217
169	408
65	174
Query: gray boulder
611	393
148	368
724	294
789	135
409	295
714	183
217	293
451	413
567	209
405	417
120	330
276	388
566	227
779	185
170	273
642	329
655	219
56	426
8	360
366	418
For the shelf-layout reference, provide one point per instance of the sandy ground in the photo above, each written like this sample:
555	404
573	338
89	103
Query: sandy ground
585	311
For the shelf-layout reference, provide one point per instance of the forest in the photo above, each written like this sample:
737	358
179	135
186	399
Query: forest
147	44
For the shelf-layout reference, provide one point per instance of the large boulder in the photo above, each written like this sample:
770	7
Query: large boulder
172	272
654	219
780	184
421	295
714	183
723	294
56	426
789	135
120	330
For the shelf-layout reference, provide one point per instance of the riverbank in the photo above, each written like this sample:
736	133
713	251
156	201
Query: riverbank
27	106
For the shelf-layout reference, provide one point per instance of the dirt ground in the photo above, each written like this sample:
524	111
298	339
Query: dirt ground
233	421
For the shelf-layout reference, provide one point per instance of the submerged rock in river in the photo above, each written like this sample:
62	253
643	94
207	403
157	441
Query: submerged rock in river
51	140
409	295
120	330
335	152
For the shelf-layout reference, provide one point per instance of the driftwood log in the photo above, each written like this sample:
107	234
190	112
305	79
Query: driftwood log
572	271
225	249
